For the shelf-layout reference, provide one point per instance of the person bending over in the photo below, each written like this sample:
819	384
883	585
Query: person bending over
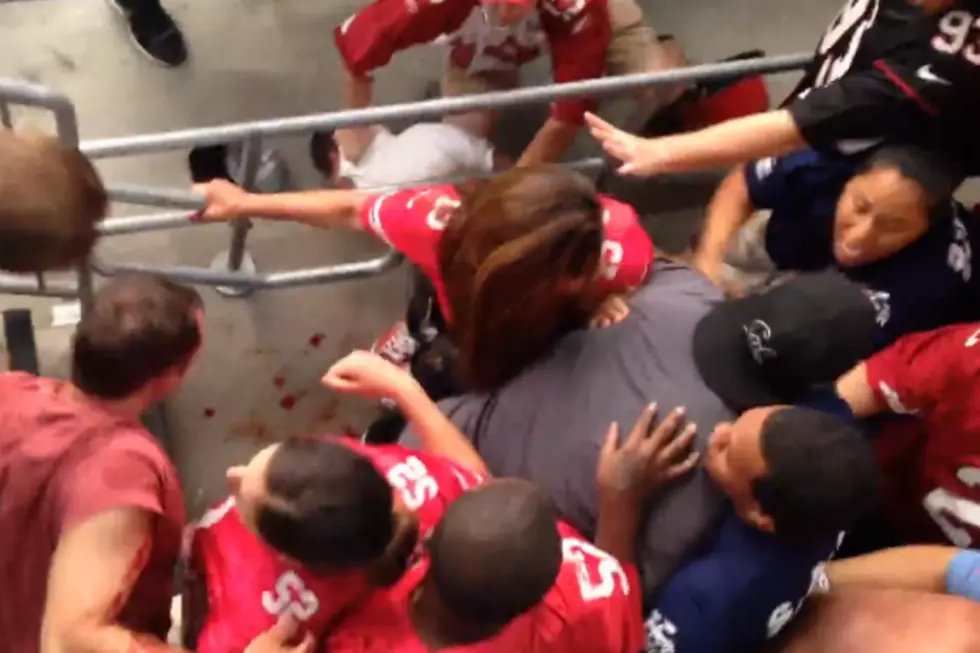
795	478
888	223
541	238
51	201
322	564
897	70
489	40
92	497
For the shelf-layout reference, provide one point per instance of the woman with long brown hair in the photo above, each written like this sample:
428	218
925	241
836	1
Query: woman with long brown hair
516	261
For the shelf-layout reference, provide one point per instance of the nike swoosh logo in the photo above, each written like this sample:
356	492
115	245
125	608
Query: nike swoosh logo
973	339
925	74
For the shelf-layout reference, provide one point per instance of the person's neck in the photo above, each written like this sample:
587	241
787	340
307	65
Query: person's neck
131	407
435	631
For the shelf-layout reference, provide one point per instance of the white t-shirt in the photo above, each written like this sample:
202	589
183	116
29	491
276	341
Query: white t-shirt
423	153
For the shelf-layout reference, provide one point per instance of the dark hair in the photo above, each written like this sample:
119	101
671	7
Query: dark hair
934	172
322	144
137	328
822	473
51	201
507	256
326	505
496	552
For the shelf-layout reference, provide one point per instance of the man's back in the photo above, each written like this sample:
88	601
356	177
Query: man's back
547	425
425	153
61	462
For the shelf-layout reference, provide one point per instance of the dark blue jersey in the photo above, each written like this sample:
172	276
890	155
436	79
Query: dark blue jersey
741	591
924	286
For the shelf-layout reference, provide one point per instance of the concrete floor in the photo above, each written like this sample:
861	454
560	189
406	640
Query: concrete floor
257	378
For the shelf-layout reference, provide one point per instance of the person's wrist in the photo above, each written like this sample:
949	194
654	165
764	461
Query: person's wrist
245	205
408	392
619	504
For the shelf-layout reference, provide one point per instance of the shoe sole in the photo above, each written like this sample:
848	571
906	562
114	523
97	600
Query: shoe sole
139	48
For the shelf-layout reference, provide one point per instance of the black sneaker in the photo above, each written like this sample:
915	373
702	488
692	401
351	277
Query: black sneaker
154	32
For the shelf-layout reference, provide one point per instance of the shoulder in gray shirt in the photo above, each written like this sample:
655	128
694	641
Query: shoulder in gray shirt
547	425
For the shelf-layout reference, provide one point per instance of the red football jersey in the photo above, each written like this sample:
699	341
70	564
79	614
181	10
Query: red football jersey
935	376
412	221
577	31
249	584
594	606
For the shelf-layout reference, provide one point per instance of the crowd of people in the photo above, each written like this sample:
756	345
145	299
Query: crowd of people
590	445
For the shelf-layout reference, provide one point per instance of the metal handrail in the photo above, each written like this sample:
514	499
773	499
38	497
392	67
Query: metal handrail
252	133
431	109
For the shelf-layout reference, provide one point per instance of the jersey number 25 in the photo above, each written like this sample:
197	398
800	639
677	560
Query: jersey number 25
412	480
598	572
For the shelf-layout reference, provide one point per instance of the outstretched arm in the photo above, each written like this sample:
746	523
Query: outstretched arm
723	145
368	375
225	201
943	569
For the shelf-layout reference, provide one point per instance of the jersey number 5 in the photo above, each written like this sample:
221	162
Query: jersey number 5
412	480
955	515
590	561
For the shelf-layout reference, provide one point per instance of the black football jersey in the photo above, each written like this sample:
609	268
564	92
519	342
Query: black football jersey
884	69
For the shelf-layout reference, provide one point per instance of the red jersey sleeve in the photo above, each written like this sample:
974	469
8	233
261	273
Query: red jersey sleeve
627	251
922	371
127	471
596	601
368	39
579	33
411	221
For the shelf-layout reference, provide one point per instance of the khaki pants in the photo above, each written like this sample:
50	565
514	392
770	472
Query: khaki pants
634	48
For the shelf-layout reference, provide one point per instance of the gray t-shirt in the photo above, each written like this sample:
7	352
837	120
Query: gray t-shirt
547	425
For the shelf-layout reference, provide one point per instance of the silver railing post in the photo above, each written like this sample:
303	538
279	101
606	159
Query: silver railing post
66	122
236	258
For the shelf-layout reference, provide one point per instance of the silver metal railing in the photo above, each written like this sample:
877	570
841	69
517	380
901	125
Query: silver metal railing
228	272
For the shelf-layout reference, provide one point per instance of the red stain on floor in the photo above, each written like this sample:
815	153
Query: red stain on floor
278	382
351	433
289	401
209	413
317	339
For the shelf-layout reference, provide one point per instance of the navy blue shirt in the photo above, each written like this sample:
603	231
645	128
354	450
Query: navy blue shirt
924	286
741	591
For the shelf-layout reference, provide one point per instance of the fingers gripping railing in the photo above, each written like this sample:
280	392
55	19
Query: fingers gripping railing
233	271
